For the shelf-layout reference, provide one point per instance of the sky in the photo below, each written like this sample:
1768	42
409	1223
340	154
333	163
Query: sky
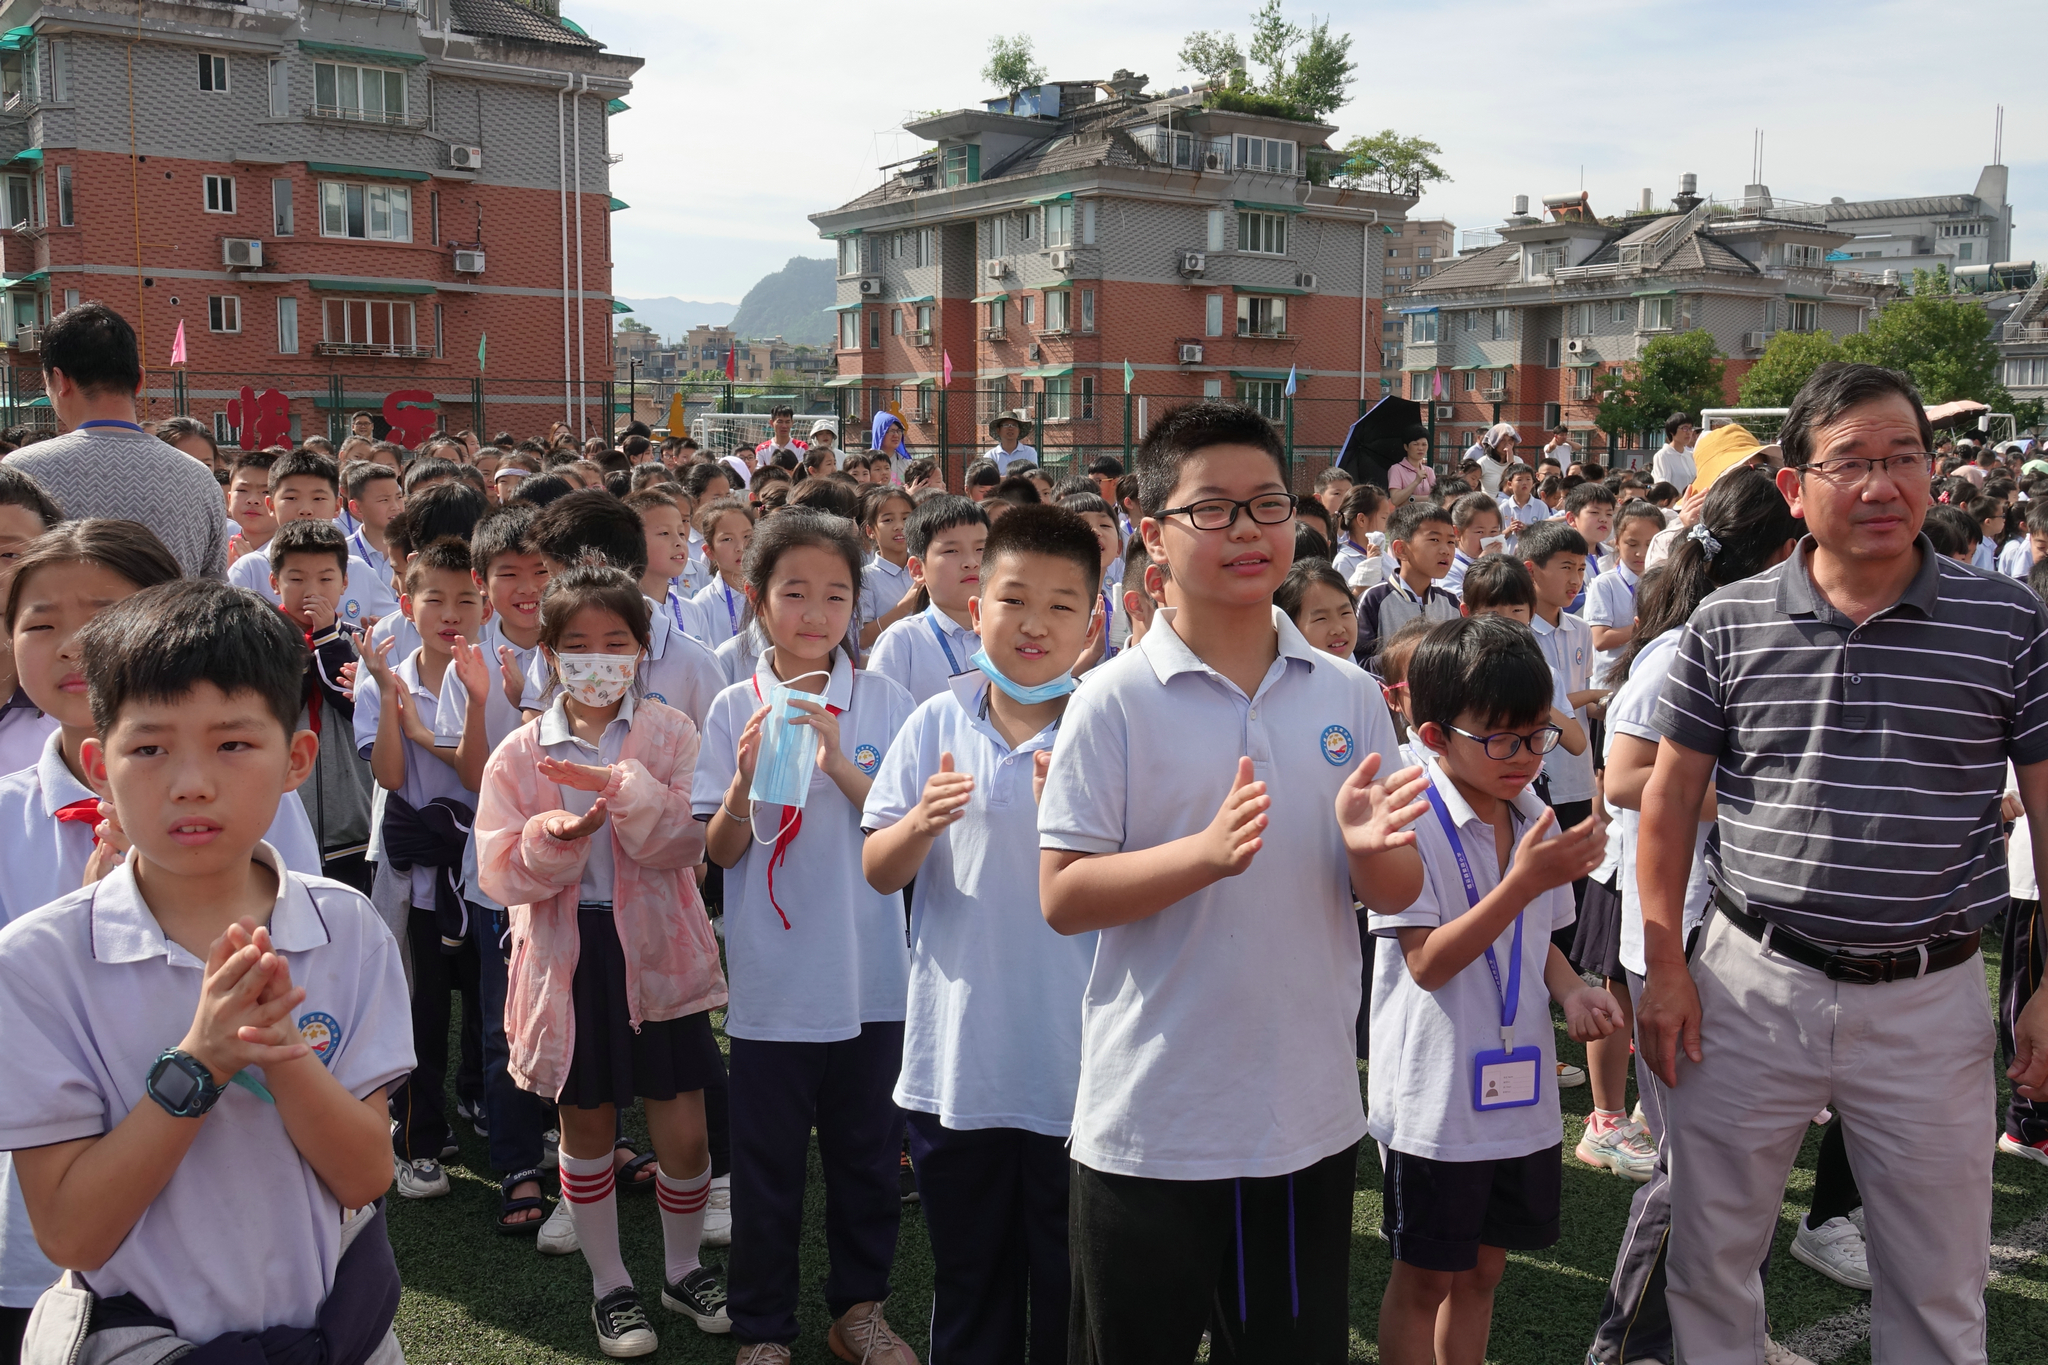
746	119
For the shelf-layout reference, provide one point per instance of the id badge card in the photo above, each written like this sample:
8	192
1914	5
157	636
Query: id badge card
1506	1079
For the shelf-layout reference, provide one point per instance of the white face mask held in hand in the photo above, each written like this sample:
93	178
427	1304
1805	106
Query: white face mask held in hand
596	679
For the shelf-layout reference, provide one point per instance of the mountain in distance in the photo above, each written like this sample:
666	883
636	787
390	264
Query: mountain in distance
791	303
670	318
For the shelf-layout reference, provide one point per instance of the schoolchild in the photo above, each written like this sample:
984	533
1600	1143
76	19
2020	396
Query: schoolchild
1477	519
1140	598
818	961
922	651
2021	553
1215	1141
583	829
720	607
888	587
992	1035
1096	513
373	495
666	532
201	1040
1422	538
1555	556
2023	957
1610	608
431	513
1334	485
303	486
1315	598
1362	536
1469	1128
250	524
1519	505
26	511
1589	510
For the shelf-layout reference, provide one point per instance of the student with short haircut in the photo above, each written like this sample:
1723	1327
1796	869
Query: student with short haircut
1555	556
923	473
202	1040
250	525
1519	505
1334	485
1461	1092
372	495
921	652
888	585
1138	601
1610	608
1421	537
1499	585
1215	1139
1952	532
1589	510
2022	552
992	1038
667	534
1477	519
303	486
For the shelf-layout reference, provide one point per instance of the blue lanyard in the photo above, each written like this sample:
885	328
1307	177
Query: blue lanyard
1108	615
952	664
675	609
1511	997
731	613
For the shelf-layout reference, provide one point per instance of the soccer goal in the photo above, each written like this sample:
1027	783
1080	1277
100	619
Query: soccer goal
719	434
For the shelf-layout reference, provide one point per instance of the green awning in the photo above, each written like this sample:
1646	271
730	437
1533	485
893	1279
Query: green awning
1258	374
616	106
991	298
1053	199
853	307
618	307
1421	369
1048	371
371	172
362	54
370	287
844	381
38	277
1653	293
1580	364
834	236
1265	289
29	154
921	298
617	203
923	381
1476	365
16	39
41	400
1269	208
1405	311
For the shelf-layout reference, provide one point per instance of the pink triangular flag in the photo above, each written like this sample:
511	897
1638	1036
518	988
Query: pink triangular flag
178	345
947	382
1436	380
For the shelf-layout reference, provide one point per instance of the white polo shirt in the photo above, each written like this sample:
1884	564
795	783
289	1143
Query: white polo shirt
396	627
1610	604
842	961
364	594
722	611
1630	712
501	718
679	671
91	992
1005	458
427	778
924	651
882	586
1218	1037
1423	1042
736	657
1568	649
24	727
992	1035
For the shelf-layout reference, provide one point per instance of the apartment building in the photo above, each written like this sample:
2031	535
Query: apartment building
1040	250
1520	330
1915	233
337	198
1415	250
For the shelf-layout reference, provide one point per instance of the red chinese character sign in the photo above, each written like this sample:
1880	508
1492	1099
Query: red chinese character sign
413	416
261	420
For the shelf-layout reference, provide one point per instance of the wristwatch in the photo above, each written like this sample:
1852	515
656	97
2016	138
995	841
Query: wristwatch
181	1083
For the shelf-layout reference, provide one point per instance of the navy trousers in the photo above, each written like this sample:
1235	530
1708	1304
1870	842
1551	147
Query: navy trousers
515	1117
778	1093
995	1203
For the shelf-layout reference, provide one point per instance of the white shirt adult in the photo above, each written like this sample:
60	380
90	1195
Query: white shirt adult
1490	469
1020	454
1188	1071
1673	466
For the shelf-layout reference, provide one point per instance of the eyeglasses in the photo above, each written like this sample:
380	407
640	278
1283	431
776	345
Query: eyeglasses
1505	744
1855	470
1220	514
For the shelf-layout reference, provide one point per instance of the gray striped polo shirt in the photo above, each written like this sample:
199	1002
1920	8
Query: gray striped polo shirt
1860	767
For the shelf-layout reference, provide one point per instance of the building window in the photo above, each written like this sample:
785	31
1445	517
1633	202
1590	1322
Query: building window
991	396
220	194
1265	233
1544	260
1422	328
924	319
1027	310
1418	386
369	93
1423	252
849	255
922	411
1059	400
1810	257
1472	321
1259	316
1392	252
1088	222
1621	310
1390	356
368	326
1058	311
1503	324
1215	229
1471	380
223	313
213	73
1087	396
281	208
1551	347
1212	315
70	299
1553	416
1407	272
895	246
2029	372
1265	154
434	217
998	314
287	326
1582	383
1059	225
1966	251
925	240
60	70
381	213
895	322
1656	315
849	331
65	212
1087	310
963	165
998	234
1263	396
874	329
1422	272
1801	316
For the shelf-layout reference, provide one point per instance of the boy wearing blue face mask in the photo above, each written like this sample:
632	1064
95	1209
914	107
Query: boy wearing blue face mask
992	1038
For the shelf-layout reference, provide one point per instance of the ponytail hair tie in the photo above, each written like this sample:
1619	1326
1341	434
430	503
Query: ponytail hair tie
1706	539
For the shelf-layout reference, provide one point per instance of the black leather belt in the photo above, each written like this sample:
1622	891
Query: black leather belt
1868	969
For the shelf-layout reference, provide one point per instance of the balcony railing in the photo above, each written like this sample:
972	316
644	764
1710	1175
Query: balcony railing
371	348
994	334
2016	331
383	118
28	337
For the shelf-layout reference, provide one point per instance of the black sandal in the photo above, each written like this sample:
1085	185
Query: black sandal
511	1205
628	1177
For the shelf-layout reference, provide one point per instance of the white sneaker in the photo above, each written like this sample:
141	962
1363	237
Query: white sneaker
557	1235
1625	1149
2013	1147
718	1213
1774	1354
1569	1076
1836	1250
421	1179
550	1149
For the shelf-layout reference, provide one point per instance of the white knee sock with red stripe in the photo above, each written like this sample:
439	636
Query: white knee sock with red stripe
682	1219
588	1185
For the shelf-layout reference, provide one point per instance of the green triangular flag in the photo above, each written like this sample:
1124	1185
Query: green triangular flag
481	342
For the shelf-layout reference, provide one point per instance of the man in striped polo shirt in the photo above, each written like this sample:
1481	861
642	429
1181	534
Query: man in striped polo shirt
1853	710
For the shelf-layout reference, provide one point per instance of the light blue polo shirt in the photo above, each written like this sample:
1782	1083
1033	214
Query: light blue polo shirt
923	651
364	595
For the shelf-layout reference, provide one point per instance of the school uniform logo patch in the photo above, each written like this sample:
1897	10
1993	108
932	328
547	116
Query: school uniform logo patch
1337	746
352	609
867	758
322	1033
656	696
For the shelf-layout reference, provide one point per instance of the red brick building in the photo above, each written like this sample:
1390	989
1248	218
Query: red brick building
336	199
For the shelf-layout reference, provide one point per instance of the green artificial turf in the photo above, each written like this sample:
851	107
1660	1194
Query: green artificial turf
472	1295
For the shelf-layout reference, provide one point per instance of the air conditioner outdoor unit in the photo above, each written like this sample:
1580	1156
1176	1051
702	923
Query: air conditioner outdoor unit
245	252
995	269
1304	280
1036	354
1575	346
1756	341
466	158
1062	260
870	286
1191	353
1193	262
469	262
1214	161
1445	411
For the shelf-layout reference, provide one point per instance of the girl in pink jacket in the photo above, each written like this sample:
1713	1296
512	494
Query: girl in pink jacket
584	831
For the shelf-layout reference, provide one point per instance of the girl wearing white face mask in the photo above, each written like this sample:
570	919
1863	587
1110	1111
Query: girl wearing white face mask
584	831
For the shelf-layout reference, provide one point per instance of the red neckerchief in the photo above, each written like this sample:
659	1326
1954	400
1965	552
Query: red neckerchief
785	836
85	812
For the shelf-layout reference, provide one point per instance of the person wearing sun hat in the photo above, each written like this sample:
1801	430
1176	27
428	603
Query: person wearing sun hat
1009	430
1720	450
